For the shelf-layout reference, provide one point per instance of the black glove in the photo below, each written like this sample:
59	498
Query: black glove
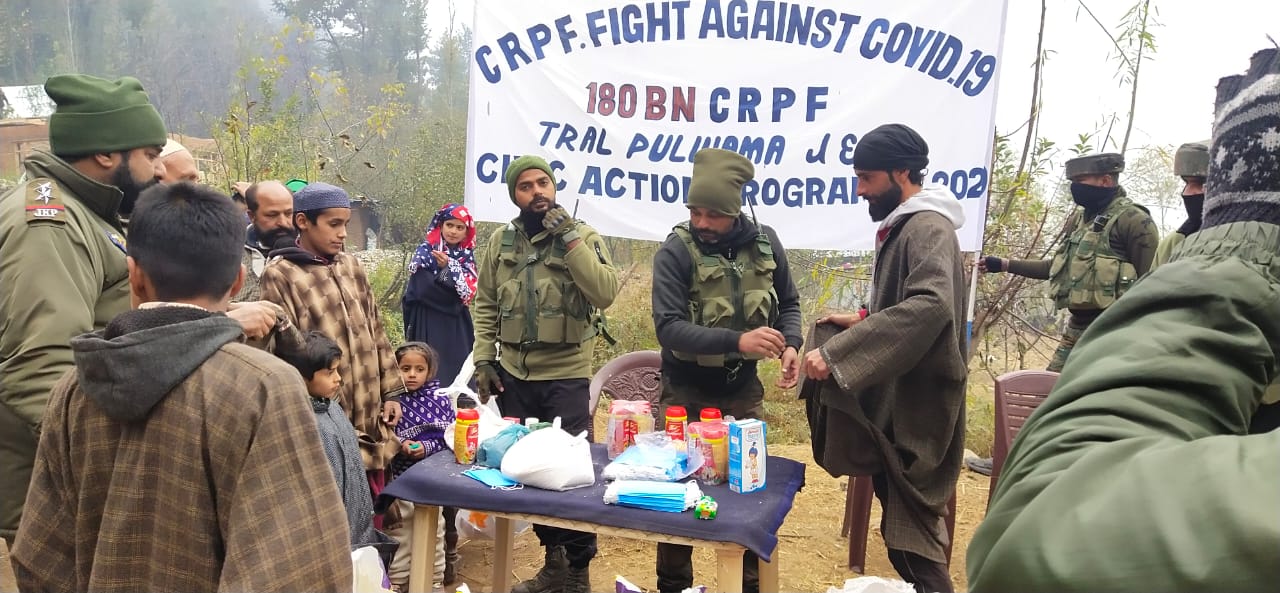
488	383
558	221
994	264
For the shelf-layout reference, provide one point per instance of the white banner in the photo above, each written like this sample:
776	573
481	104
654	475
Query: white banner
618	97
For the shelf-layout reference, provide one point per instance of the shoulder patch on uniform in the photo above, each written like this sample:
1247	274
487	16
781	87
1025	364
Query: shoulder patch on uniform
44	201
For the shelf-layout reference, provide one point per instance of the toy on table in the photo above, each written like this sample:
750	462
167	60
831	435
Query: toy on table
705	508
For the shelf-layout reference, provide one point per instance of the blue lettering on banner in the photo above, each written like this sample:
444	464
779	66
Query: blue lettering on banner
963	184
677	148
616	183
489	171
933	53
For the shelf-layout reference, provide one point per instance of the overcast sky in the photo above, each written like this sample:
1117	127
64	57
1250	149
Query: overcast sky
1197	42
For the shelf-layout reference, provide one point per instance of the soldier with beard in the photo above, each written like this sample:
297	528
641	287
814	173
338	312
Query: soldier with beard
723	299
63	268
1112	245
550	275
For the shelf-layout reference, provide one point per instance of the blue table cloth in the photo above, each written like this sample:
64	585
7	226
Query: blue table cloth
751	520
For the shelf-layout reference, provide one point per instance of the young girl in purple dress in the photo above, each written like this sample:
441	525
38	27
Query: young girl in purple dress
426	417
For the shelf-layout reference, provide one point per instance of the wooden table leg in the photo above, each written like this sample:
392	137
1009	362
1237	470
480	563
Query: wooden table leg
729	570
503	552
426	519
769	573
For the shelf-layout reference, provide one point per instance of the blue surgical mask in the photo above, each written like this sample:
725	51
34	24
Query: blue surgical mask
671	497
492	478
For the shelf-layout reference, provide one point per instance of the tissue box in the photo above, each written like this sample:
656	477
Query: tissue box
747	455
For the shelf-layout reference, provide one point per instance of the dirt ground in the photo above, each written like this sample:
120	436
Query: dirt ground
811	553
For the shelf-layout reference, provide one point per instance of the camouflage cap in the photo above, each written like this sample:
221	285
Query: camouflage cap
1192	160
1095	164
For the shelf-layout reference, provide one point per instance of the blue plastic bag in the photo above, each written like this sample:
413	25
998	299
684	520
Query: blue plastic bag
491	450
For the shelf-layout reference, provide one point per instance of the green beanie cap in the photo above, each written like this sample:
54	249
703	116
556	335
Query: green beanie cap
295	184
95	115
523	164
718	177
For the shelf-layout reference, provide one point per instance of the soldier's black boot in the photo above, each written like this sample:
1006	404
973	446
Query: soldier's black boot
578	580
551	579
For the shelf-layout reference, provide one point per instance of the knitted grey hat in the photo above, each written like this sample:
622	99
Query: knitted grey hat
318	195
1244	157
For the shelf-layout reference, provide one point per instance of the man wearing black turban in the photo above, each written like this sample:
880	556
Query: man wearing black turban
885	387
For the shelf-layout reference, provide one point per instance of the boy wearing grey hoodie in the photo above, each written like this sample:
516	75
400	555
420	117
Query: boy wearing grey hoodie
173	457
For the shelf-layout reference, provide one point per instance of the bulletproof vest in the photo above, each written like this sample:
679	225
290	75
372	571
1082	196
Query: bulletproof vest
1087	274
735	294
539	305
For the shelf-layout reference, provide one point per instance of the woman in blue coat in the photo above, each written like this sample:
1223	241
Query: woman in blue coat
442	283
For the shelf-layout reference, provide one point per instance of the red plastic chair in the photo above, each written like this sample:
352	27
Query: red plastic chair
1018	394
632	376
857	521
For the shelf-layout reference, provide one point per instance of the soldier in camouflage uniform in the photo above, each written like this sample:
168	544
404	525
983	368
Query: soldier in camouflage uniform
1112	246
543	280
1191	163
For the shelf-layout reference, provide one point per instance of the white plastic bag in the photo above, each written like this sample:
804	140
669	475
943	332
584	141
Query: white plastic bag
367	572
480	525
873	585
551	459
491	422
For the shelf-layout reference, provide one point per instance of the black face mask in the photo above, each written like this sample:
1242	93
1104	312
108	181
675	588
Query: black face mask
1092	197
1195	208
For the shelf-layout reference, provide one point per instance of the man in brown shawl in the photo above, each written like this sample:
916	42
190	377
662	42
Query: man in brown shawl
174	457
885	389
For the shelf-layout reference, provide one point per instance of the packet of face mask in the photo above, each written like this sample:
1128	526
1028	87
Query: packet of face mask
655	496
492	478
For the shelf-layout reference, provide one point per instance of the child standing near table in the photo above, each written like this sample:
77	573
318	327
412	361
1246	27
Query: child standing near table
422	428
317	358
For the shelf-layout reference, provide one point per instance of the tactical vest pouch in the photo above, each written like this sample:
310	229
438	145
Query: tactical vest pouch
760	307
1059	262
713	311
540	305
562	313
1097	279
511	324
1087	274
718	283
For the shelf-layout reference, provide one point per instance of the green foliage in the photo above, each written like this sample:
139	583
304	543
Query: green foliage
383	277
980	423
372	43
431	170
316	130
